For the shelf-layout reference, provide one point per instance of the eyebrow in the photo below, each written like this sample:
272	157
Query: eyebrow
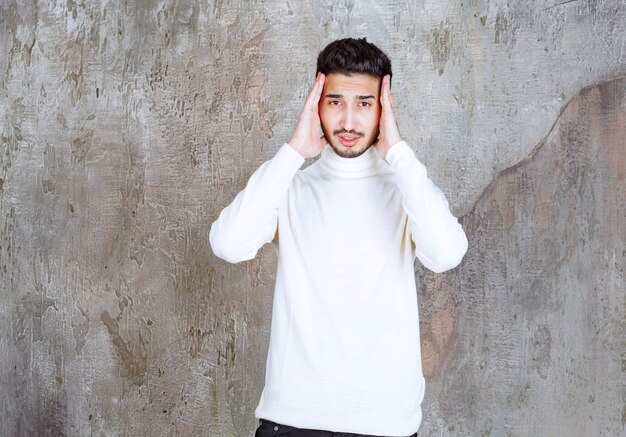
339	96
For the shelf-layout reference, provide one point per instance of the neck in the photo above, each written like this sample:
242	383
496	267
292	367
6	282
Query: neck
366	164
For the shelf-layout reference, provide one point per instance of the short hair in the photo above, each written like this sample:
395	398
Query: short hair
351	55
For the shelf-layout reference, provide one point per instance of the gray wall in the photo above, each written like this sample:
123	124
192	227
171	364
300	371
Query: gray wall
125	128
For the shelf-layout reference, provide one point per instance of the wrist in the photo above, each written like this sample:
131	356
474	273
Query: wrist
383	149
394	142
297	147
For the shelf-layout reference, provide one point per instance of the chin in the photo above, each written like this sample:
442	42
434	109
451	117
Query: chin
349	152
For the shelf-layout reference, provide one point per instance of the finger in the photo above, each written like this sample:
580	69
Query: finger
385	101
382	91
314	96
388	98
320	88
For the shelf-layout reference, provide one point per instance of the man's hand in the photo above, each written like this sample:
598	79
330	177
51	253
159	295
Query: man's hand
306	137
388	129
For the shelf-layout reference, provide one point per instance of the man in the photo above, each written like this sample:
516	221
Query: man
344	353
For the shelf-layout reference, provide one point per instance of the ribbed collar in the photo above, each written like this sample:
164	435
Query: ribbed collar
367	164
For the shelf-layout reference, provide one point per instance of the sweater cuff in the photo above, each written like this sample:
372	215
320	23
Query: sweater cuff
290	156
400	155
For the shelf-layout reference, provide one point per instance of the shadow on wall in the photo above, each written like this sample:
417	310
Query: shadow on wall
532	326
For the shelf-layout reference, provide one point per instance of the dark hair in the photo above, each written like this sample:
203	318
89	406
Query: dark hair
351	55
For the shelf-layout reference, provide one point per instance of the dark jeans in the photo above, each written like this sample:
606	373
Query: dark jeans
272	429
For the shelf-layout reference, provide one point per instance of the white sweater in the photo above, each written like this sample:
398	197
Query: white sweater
344	351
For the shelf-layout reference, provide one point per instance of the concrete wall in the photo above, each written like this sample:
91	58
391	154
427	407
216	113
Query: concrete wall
126	127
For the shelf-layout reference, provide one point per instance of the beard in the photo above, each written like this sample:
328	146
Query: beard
350	152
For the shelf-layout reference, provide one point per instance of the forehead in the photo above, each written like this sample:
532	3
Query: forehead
354	85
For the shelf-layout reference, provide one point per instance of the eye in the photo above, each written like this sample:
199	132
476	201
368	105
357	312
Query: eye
334	102
365	104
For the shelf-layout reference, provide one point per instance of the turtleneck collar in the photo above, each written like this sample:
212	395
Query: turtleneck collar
367	164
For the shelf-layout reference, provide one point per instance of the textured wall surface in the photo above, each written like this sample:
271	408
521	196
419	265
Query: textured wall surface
535	317
125	127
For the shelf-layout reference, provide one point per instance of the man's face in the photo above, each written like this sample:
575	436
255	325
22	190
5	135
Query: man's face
349	112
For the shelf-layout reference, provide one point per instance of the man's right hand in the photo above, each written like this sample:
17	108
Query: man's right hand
306	137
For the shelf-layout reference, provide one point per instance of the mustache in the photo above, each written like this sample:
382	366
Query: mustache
351	131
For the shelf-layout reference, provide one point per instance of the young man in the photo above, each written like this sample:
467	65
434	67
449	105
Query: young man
344	353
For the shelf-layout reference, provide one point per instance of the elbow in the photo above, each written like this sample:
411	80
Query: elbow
448	258
445	263
230	256
225	248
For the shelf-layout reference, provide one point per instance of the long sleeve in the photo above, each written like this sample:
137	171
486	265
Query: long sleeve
440	242
250	221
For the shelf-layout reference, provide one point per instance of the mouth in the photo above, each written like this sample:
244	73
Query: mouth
348	140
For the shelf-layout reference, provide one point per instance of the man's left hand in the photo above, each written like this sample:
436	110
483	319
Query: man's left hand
388	128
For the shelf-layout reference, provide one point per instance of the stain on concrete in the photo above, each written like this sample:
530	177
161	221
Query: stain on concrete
440	46
439	319
540	291
28	317
81	329
540	345
505	30
133	357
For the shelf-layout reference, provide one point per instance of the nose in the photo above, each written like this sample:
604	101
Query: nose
348	119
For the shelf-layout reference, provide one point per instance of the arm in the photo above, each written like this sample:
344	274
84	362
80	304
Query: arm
251	219
440	242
